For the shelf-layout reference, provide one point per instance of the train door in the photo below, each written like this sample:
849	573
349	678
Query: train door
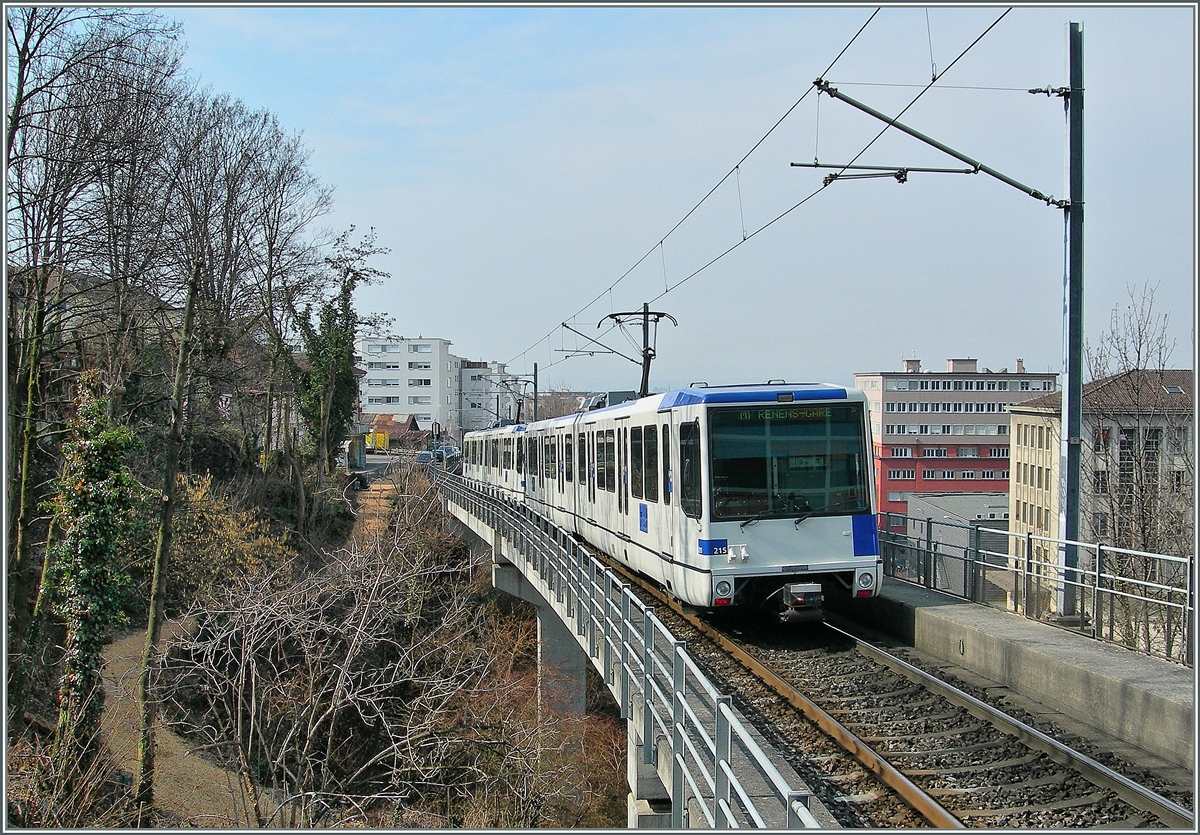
689	506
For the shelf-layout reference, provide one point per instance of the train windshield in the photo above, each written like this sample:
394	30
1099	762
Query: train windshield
788	462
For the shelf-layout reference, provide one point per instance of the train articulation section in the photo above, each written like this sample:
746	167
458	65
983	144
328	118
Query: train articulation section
727	496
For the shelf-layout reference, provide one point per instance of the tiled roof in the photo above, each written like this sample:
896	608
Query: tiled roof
1165	390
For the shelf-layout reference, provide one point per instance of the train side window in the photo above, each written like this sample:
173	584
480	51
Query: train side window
598	452
593	466
496	454
623	467
624	485
666	465
520	455
689	466
533	456
610	461
582	457
569	458
651	462
635	461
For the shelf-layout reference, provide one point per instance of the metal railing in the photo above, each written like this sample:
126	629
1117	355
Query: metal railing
715	763
1135	599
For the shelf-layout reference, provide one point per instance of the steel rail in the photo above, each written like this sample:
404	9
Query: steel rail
892	777
1138	796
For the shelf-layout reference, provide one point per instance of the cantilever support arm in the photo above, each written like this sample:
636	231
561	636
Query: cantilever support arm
824	87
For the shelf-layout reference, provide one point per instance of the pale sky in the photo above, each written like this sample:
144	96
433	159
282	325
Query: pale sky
519	161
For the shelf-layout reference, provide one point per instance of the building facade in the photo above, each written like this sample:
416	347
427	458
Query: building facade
1136	463
422	378
944	432
488	393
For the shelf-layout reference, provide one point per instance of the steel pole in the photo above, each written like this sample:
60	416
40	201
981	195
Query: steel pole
1072	401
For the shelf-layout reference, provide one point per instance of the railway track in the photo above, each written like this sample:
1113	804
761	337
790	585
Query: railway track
886	744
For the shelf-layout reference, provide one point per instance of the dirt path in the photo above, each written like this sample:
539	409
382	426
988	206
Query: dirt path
188	789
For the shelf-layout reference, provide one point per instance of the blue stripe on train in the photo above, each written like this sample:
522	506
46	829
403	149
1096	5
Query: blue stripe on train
866	535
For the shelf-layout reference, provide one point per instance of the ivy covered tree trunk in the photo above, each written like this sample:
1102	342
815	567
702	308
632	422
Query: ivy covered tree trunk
93	509
158	583
327	388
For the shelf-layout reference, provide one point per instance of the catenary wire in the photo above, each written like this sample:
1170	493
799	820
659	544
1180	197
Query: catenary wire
865	148
710	191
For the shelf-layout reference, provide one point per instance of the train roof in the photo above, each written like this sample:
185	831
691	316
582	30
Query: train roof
704	395
753	393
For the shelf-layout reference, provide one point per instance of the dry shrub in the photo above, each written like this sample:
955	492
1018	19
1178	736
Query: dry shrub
44	794
218	540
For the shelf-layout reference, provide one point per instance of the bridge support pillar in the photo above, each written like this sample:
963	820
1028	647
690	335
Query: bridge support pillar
562	663
649	803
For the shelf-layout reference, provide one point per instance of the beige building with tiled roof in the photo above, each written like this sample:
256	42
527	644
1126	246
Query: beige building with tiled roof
1137	463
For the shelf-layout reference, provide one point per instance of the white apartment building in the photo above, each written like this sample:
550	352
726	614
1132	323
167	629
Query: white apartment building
410	376
420	377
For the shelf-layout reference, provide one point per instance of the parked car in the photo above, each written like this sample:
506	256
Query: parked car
425	458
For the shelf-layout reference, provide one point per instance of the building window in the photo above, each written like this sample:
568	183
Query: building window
929	474
1004	475
901	452
1100	482
947	474
998	452
988	475
1024	385
968	474
414	348
895	496
968	452
1099	524
420	401
1002	385
933	452
420	366
419	382
889	407
1178	481
902	474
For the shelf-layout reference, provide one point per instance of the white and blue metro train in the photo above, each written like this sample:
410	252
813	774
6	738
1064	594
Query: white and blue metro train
748	496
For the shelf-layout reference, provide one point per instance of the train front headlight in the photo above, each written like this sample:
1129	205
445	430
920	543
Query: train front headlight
724	588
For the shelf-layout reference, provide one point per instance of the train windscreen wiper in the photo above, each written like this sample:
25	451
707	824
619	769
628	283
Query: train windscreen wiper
812	511
756	517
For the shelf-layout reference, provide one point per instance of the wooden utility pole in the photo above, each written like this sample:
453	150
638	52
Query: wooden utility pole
144	792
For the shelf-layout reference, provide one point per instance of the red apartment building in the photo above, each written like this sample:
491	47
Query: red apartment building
945	432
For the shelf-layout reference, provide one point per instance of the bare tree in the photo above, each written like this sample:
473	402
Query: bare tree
1139	484
75	77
